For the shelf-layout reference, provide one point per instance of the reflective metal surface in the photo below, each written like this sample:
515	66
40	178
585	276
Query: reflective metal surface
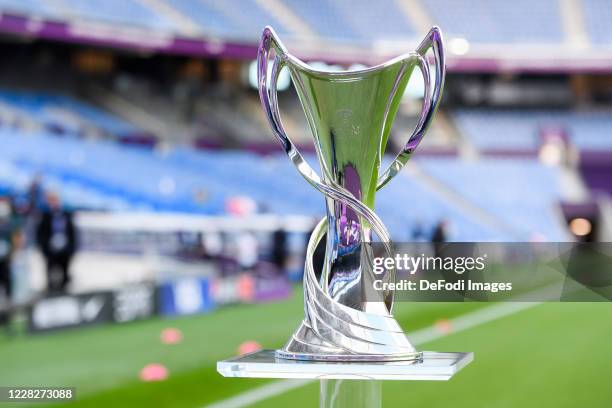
350	115
264	364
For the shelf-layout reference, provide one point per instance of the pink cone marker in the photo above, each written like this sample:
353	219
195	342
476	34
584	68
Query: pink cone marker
249	347
444	326
171	336
153	372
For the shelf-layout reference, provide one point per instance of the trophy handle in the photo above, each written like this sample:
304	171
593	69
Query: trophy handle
430	103
269	101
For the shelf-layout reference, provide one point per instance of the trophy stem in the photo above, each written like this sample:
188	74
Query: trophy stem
350	394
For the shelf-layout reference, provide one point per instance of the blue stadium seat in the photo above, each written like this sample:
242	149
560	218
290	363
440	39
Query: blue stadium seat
240	19
375	21
598	21
39	8
517	130
124	12
499	21
120	12
349	21
93	174
329	22
521	193
65	113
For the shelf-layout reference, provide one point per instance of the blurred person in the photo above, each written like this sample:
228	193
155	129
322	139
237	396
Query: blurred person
247	250
34	195
439	234
439	237
279	249
56	237
29	207
9	238
212	243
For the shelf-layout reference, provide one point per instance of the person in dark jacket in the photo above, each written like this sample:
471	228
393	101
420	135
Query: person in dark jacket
439	237
56	238
279	249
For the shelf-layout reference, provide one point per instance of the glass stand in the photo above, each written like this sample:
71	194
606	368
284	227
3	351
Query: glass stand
347	384
350	394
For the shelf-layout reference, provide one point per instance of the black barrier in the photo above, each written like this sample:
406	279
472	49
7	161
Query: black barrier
69	311
138	301
64	311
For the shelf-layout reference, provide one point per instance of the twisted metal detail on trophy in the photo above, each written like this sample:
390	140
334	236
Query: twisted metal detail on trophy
350	114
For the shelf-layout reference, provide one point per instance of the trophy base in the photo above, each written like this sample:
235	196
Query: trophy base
288	355
265	364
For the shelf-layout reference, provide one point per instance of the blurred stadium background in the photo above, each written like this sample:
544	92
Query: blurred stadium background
141	119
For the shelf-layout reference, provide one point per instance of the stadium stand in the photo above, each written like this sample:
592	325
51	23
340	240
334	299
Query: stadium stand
520	129
37	8
503	22
390	22
128	12
483	129
117	12
597	16
214	18
357	22
63	114
492	185
228	19
91	174
363	24
329	22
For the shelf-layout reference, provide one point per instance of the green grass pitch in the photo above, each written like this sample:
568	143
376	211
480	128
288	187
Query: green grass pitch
552	355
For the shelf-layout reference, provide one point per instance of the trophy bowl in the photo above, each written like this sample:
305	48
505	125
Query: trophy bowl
350	115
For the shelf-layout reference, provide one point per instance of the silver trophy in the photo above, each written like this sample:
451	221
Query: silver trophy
350	115
346	334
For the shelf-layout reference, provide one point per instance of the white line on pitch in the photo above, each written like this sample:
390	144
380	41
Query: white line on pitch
259	394
469	320
431	333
